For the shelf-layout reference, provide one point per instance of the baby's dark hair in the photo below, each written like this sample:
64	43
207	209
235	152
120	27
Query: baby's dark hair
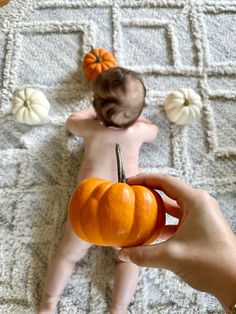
119	97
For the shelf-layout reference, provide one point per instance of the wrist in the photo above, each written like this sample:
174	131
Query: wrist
225	278
226	293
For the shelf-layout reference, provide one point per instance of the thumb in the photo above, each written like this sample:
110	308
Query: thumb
162	255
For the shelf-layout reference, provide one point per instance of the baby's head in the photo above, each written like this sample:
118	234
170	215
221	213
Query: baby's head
119	97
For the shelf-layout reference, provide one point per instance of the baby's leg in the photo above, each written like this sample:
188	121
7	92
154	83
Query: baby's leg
71	249
125	283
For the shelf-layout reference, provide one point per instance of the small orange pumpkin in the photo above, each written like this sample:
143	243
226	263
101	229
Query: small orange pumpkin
3	2
116	214
96	61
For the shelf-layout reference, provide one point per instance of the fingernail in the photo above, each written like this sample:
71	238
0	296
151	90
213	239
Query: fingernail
124	255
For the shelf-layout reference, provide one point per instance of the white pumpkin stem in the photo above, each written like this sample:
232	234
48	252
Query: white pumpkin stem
99	59
26	103
186	102
120	166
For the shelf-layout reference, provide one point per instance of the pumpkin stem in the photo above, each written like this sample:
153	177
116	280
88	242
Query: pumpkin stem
120	166
26	104
186	102
98	58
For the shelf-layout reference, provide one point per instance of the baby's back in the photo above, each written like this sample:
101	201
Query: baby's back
100	157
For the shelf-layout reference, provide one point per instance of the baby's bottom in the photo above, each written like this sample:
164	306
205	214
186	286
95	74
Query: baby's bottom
72	249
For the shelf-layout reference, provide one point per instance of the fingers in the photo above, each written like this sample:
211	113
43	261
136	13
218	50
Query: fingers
171	207
168	231
173	187
160	255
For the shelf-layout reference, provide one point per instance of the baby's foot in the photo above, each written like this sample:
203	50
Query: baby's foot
48	305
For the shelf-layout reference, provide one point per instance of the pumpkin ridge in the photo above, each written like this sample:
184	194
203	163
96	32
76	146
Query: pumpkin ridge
33	114
89	60
32	108
118	214
25	95
31	94
15	111
161	219
141	221
177	112
98	67
100	209
93	66
130	235
192	114
107	56
20	97
109	63
104	66
20	114
41	105
25	114
39	115
75	213
103	52
173	104
94	197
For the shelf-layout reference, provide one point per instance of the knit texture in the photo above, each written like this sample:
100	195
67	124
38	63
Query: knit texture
173	44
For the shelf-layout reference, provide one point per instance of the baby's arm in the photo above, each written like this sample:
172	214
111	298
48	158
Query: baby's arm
146	130
81	121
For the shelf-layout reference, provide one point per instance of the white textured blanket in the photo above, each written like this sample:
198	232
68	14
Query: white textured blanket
172	43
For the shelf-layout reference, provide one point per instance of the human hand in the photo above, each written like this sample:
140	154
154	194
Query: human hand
203	249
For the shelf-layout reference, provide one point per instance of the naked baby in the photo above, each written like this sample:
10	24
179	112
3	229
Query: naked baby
114	117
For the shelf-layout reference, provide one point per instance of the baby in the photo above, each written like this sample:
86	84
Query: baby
119	98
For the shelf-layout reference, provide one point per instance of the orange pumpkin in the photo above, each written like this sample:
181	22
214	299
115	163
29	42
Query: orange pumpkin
96	61
116	214
3	2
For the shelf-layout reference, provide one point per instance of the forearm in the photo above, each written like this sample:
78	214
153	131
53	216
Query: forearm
71	124
74	122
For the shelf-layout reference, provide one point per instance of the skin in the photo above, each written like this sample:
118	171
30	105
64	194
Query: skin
203	249
99	161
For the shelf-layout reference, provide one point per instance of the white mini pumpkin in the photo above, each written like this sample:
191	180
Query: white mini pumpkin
30	106
183	106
